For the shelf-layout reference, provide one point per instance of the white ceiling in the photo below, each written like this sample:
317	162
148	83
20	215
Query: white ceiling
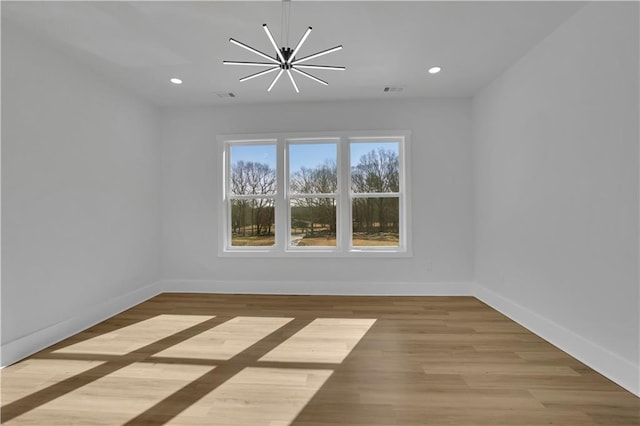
142	44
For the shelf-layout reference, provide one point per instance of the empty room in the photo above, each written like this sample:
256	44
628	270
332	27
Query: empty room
320	213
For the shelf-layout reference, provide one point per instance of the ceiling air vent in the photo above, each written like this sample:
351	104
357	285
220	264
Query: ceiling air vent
226	95
390	89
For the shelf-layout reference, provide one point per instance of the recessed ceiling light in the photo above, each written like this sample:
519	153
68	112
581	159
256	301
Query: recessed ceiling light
175	80
434	70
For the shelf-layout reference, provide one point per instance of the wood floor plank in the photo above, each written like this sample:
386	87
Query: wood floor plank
236	360
325	340
127	339
115	398
255	396
33	375
226	340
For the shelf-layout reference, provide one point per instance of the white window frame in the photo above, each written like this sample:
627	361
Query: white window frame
343	196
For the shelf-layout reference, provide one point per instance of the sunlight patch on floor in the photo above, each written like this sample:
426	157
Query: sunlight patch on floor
257	397
226	340
115	398
325	340
135	336
33	375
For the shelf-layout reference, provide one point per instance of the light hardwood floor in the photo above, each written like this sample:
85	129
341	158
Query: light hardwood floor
195	359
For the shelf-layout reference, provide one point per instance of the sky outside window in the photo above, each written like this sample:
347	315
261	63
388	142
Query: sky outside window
265	154
358	149
307	155
310	155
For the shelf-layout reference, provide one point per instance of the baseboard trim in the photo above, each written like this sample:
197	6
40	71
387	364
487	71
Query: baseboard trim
329	288
22	347
610	365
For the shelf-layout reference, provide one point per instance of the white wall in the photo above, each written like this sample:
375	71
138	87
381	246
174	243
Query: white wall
80	192
556	196
442	194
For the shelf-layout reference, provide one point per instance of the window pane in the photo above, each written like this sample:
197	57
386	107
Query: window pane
312	168
313	222
252	222
253	169
376	222
375	167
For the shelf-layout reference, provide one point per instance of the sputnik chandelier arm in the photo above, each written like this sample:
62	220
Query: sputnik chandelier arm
299	45
273	43
295	86
253	64
285	60
317	55
251	49
258	74
320	67
306	74
275	80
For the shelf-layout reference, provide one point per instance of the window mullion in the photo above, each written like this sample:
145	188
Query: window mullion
344	200
282	200
312	195
376	195
252	196
226	219
402	231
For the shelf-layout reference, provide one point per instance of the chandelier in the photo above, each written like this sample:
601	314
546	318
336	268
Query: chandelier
285	60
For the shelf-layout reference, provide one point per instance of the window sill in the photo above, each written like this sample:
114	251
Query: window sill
257	253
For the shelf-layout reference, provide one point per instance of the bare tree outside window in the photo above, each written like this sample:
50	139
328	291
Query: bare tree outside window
252	219
376	219
313	183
